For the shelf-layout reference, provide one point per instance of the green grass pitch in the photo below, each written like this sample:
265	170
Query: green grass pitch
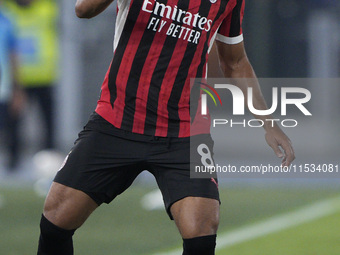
315	238
123	227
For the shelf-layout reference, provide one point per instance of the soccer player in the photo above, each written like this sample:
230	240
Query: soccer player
142	119
11	95
37	51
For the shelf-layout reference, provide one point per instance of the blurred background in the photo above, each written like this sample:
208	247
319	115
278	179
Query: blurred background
52	67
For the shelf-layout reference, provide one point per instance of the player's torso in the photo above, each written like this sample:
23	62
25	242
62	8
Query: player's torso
185	23
159	46
175	27
181	19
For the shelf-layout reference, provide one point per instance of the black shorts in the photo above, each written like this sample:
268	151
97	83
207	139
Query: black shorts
105	161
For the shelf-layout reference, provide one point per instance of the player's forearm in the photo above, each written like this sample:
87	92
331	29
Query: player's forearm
90	8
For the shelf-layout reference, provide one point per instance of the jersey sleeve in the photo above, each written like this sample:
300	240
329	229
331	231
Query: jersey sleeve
230	31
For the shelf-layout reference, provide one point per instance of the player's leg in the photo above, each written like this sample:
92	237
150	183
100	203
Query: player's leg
192	203
194	206
66	207
13	136
98	168
44	96
65	210
196	216
197	220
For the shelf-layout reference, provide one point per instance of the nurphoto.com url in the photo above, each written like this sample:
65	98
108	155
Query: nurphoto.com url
263	169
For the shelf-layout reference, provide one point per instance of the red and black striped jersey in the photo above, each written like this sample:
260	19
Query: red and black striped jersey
159	46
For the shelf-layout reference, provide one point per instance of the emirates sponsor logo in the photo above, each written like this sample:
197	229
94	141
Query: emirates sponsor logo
176	22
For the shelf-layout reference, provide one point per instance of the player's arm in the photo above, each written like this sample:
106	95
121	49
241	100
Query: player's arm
91	8
18	96
235	64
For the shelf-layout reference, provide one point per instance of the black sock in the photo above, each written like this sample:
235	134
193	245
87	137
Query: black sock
54	240
203	245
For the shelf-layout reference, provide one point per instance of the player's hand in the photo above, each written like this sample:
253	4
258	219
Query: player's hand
276	139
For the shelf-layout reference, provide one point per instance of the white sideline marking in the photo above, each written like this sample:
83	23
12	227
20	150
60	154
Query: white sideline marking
274	224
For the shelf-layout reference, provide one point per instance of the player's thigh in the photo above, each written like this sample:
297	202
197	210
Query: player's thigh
192	202
66	207
97	169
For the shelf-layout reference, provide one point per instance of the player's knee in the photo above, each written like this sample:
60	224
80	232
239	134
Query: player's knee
52	207
207	225
68	208
203	245
201	227
214	224
196	217
210	226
